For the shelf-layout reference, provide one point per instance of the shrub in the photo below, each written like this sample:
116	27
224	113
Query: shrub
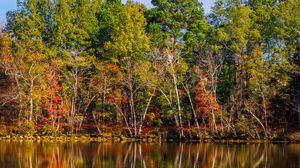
67	129
27	128
48	129
3	130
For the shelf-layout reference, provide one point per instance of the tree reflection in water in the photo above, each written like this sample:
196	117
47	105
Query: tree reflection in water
142	155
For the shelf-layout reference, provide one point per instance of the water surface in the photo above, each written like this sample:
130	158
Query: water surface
141	155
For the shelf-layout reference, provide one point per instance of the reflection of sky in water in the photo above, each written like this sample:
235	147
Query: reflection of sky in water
64	155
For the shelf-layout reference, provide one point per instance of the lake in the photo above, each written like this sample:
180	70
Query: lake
142	155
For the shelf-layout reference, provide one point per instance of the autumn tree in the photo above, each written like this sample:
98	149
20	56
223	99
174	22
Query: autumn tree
108	64
206	103
54	102
25	65
127	47
105	88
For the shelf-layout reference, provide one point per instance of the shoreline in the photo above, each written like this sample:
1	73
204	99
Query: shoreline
141	139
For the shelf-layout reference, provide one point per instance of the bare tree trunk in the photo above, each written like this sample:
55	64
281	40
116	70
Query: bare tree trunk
95	120
132	109
192	105
31	100
125	119
262	125
58	119
89	102
214	119
178	100
145	112
172	108
74	98
264	110
20	96
32	79
130	85
51	107
104	96
57	127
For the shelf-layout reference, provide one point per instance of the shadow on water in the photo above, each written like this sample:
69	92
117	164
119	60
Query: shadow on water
130	155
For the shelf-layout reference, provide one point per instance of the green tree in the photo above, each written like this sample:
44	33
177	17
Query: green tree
128	45
171	20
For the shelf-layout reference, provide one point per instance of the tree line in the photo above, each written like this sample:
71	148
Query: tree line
70	66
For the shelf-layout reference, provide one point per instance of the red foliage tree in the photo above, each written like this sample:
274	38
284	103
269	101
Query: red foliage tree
54	101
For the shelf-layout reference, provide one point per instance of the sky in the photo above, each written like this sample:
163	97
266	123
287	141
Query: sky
7	5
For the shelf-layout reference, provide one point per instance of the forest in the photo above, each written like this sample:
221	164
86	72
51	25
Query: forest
99	66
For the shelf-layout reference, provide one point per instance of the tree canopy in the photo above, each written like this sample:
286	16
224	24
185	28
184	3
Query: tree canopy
91	66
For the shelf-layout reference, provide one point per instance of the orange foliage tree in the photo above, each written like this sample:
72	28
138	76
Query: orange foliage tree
54	103
206	102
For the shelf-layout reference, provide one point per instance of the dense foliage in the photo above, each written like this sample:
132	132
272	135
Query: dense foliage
72	66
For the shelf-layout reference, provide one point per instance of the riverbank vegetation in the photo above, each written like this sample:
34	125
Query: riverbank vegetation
96	67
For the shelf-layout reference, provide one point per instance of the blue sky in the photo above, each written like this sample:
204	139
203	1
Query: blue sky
6	5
